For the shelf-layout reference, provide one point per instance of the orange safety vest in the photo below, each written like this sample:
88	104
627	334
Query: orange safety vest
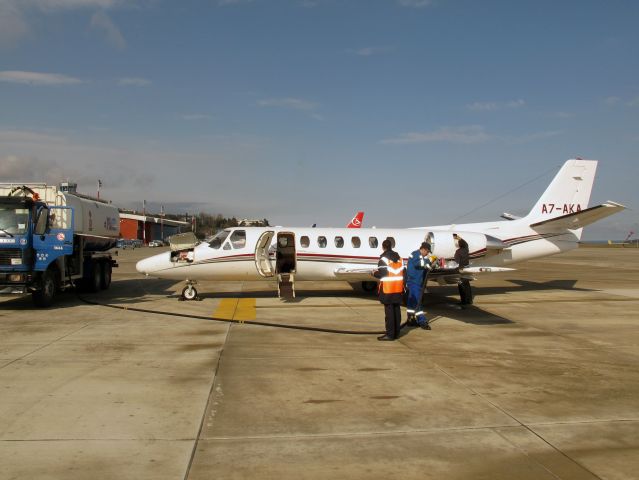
393	282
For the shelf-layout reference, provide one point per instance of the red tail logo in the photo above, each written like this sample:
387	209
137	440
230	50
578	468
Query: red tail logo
356	222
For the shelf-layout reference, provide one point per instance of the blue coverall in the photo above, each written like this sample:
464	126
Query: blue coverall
416	273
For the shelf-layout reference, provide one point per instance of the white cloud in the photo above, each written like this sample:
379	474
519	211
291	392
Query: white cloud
634	102
102	22
133	82
232	2
72	4
291	103
563	115
415	3
27	155
16	15
13	27
491	106
531	137
25	169
37	78
30	138
195	116
610	101
369	51
464	135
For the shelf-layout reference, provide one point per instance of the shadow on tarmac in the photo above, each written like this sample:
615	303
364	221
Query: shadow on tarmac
439	301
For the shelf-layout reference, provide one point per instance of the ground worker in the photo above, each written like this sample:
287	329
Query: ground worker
390	272
419	264
463	260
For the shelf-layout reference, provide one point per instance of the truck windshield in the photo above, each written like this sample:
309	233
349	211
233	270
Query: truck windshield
13	221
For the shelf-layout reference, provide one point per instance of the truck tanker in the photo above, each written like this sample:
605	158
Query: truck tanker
52	239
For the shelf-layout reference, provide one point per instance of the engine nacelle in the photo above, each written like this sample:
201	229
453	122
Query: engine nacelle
443	243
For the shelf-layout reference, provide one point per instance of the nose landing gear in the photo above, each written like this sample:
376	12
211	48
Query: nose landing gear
189	292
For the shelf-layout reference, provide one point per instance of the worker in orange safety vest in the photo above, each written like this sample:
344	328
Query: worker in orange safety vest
390	272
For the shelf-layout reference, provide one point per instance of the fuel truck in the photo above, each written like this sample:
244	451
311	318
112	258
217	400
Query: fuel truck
52	239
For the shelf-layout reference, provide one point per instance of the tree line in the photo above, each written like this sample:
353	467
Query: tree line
204	224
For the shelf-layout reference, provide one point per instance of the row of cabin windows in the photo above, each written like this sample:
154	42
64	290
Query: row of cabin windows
356	242
238	240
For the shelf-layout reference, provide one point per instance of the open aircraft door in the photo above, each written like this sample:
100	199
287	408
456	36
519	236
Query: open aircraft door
262	258
286	264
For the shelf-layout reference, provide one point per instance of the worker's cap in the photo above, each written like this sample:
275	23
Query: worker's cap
425	246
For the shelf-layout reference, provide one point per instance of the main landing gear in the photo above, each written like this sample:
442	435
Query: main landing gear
189	292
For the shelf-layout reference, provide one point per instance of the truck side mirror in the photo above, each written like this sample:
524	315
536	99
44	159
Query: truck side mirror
41	221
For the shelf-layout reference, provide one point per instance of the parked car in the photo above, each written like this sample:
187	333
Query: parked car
124	244
156	243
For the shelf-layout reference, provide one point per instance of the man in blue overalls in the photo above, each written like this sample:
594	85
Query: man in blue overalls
419	264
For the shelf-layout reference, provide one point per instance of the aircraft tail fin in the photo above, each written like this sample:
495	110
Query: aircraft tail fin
356	222
569	192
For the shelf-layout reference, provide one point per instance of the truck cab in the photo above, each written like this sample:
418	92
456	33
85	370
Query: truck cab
16	241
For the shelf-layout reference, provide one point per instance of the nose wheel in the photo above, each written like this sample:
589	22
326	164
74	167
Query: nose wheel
189	293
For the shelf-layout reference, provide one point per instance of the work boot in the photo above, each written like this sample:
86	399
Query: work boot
385	338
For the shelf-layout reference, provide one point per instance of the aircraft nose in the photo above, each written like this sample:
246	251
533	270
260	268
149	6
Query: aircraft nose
152	265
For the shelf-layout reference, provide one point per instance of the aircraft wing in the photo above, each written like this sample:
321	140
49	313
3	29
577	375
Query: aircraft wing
576	220
345	272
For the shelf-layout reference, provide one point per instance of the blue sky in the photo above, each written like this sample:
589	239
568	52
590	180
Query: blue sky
304	111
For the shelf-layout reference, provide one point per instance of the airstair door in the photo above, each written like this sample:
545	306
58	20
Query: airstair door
262	257
286	264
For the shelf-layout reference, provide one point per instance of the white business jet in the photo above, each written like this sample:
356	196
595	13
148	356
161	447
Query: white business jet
289	254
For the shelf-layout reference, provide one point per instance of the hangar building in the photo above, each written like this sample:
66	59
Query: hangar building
148	227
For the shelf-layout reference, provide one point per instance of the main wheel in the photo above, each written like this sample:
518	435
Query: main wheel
105	279
43	297
189	293
95	281
369	286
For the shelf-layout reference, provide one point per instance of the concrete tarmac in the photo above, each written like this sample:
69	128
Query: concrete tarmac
538	380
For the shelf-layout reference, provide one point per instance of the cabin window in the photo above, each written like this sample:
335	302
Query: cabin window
356	242
392	240
238	239
321	242
372	242
218	239
339	242
305	242
227	246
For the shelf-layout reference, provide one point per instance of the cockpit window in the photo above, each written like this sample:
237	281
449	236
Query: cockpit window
218	239
238	239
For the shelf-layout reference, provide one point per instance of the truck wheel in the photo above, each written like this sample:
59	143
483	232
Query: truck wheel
96	277
43	297
105	280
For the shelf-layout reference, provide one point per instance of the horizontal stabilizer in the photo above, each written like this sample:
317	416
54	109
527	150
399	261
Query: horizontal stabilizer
576	220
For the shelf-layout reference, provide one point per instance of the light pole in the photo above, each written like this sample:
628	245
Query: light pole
143	222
